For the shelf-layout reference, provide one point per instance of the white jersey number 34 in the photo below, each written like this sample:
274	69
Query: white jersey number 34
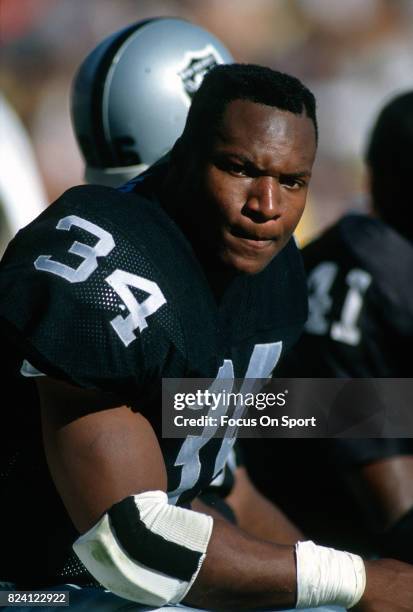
119	280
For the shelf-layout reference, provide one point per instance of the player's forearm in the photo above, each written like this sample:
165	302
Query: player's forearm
199	506
257	515
389	587
151	552
240	572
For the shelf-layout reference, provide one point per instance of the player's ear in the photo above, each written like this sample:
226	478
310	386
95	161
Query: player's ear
184	159
180	168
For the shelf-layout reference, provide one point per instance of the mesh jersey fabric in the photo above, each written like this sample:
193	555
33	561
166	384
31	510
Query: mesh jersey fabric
65	330
383	316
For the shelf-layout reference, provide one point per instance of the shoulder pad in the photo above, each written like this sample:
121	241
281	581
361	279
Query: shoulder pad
84	293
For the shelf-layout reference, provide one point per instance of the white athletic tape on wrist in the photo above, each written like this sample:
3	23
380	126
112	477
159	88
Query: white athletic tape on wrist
328	576
146	550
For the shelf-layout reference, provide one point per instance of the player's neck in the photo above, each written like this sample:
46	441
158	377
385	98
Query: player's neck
218	275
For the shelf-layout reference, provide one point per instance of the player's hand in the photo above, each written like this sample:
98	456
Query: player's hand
389	587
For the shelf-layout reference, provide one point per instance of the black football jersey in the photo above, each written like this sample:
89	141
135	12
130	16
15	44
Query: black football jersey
360	323
104	291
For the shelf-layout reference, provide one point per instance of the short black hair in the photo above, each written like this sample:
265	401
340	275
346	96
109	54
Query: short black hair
389	155
228	82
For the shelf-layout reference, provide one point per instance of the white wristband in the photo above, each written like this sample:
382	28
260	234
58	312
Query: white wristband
328	576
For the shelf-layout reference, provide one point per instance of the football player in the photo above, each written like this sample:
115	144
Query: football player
120	132
360	324
189	270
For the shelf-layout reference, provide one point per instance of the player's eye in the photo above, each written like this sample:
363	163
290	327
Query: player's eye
234	167
239	169
292	182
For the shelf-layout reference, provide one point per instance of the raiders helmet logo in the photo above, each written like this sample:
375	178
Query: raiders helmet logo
196	64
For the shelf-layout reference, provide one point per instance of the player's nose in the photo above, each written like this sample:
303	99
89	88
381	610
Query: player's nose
264	199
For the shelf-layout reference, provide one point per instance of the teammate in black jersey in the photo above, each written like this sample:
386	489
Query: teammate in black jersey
360	322
189	271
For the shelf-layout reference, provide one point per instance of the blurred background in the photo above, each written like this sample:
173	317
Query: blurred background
353	54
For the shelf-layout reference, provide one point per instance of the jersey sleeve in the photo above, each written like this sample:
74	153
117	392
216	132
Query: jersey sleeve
84	302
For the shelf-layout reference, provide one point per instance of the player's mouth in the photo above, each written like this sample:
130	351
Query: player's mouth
252	241
255	243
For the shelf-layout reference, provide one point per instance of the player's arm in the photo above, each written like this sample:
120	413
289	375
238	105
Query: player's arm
100	454
200	506
105	461
257	515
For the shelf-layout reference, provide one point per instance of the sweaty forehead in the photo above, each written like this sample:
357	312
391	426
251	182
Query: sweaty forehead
256	128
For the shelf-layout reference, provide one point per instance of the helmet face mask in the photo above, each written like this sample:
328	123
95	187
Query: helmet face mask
131	95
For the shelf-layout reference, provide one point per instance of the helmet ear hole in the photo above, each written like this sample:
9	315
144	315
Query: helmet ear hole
131	95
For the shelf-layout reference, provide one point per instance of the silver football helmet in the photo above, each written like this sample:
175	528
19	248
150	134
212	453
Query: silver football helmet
131	94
